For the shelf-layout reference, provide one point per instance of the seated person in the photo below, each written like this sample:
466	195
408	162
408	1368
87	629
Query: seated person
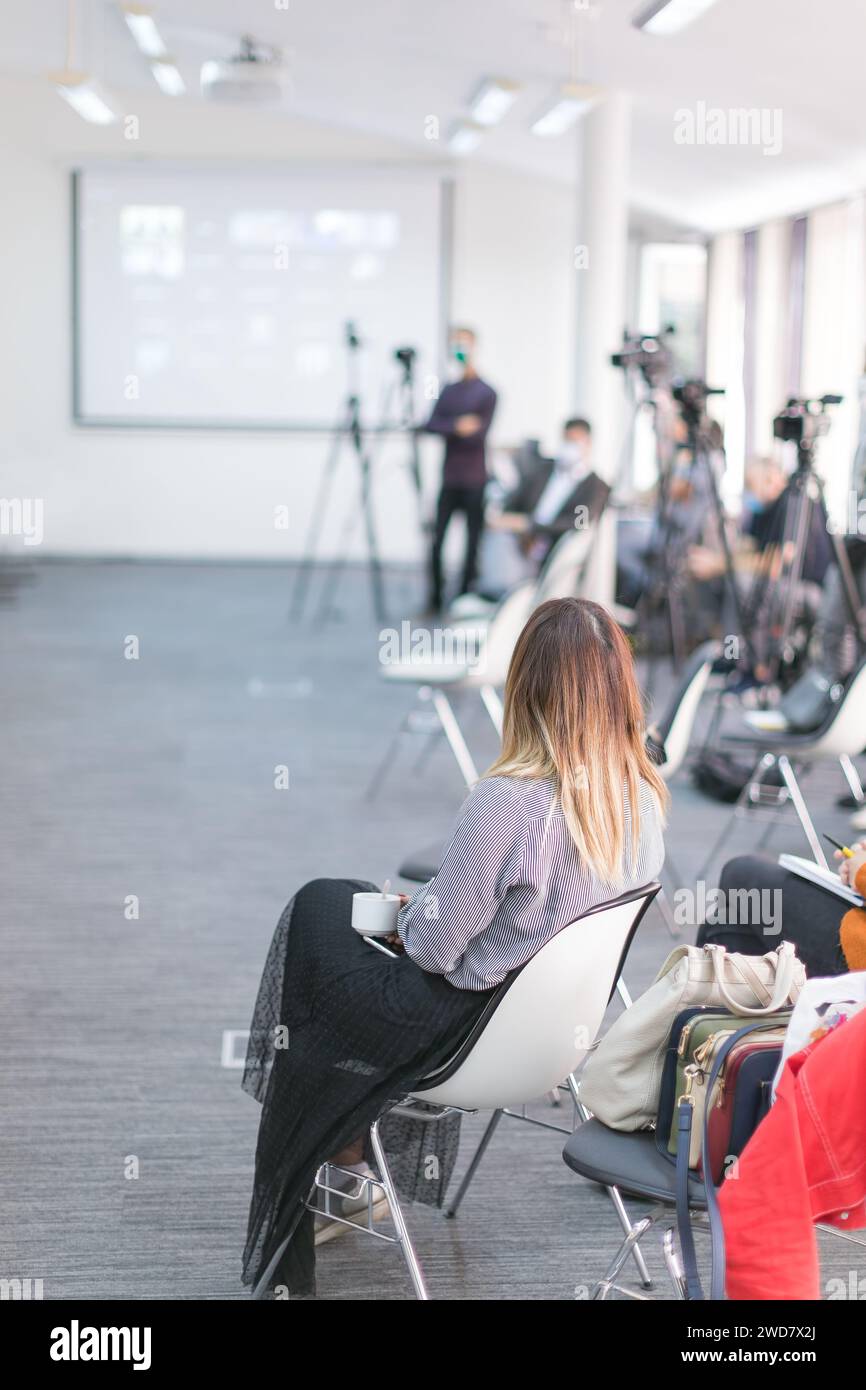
828	939
763	557
569	815
550	497
685	520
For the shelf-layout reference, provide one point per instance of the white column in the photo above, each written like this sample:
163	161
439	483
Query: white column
602	303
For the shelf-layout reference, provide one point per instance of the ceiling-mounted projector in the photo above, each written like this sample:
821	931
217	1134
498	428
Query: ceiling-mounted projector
254	74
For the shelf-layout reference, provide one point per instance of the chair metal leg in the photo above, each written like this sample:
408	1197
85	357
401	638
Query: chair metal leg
473	1166
431	743
628	1229
404	1239
774	819
494	707
757	775
374	786
852	777
628	1247
802	810
455	738
615	1196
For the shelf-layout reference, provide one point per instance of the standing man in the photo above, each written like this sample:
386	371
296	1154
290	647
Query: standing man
462	415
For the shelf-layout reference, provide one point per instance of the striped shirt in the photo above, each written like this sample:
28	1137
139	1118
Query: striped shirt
510	879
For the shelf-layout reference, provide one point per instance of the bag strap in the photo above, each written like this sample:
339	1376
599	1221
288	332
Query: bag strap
685	1112
694	1288
782	988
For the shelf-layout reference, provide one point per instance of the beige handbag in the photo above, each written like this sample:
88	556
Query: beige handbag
621	1079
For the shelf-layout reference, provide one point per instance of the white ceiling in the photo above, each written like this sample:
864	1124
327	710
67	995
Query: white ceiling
381	67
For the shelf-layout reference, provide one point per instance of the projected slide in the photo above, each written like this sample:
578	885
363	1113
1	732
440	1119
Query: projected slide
221	296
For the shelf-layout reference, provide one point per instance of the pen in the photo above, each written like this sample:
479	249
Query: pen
848	853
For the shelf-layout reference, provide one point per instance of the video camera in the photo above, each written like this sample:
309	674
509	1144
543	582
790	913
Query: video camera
804	419
406	357
691	396
649	353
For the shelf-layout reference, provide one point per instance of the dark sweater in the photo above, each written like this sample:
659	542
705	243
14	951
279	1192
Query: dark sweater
465	464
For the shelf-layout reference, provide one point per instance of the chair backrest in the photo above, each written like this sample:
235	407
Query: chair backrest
503	630
564	565
540	1024
845	730
675	729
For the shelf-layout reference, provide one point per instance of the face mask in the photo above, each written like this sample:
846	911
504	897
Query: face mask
752	504
571	454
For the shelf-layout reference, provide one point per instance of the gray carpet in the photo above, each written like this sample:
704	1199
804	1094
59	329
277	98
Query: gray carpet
146	855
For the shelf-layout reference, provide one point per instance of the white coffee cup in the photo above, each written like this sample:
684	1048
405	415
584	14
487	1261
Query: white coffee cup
375	914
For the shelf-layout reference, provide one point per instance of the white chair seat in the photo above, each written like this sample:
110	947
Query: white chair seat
471	606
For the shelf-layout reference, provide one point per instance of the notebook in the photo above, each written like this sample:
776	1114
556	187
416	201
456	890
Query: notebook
815	873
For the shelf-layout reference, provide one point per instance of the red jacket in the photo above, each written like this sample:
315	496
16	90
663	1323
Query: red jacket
805	1163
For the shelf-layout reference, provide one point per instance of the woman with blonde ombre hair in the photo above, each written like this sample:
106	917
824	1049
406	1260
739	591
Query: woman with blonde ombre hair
570	814
574	718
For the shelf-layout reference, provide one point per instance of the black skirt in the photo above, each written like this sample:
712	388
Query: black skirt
340	1033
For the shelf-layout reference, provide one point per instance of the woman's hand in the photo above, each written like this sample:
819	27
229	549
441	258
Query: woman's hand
394	938
848	868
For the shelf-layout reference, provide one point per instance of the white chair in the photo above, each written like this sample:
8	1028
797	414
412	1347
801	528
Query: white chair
565	567
840	736
484	652
672	736
533	1034
493	638
674	732
560	575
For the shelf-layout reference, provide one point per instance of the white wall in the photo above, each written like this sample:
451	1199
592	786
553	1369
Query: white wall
199	493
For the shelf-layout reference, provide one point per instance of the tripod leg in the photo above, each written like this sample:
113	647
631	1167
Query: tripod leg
756	777
336	567
302	578
802	529
375	564
678	629
846	573
386	762
704	458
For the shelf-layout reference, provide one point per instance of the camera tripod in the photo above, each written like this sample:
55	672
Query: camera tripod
398	413
663	598
348	429
800	504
